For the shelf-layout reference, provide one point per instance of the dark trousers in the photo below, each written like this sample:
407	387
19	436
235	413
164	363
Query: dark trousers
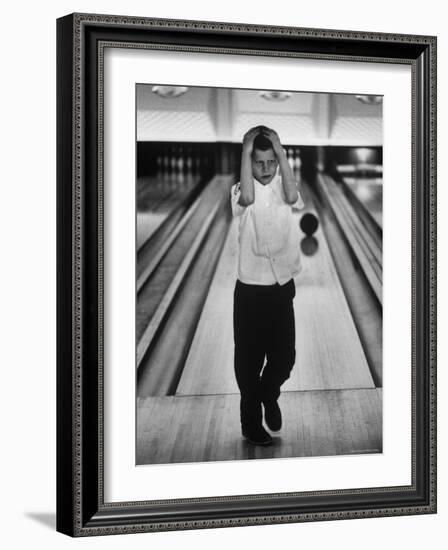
264	329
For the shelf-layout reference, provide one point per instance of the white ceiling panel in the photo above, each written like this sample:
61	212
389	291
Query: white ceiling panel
293	130
158	125
350	130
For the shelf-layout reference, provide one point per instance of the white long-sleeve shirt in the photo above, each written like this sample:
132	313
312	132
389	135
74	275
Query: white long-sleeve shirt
269	238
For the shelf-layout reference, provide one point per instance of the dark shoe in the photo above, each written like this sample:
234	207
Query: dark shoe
258	437
273	416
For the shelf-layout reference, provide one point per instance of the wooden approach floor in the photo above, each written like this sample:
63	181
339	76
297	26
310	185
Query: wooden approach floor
330	404
206	428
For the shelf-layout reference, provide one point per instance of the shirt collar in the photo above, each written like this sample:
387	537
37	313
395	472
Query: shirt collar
270	185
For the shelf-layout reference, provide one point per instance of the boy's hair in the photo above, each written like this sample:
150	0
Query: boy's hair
262	143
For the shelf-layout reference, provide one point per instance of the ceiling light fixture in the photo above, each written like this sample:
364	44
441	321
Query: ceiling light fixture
275	95
370	99
169	91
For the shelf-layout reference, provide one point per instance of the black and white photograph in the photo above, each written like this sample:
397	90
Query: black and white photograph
258	274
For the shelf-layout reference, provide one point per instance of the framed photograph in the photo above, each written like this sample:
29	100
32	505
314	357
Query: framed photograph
246	240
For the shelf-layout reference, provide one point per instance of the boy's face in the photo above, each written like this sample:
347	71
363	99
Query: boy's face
264	165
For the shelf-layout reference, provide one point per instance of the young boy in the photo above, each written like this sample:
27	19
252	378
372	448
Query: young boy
269	259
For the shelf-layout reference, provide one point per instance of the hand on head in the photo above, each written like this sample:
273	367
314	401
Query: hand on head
249	136
272	136
268	133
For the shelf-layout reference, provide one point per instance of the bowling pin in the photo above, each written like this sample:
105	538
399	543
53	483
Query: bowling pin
198	166
189	163
159	167
290	157
173	165
180	166
297	162
166	166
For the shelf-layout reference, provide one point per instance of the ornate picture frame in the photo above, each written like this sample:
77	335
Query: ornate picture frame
81	506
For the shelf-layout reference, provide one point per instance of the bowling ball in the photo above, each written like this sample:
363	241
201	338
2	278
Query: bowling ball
309	223
309	246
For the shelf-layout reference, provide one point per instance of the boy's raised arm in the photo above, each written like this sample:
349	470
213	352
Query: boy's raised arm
247	195
288	179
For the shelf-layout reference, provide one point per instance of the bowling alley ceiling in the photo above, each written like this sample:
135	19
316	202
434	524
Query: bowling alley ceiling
214	114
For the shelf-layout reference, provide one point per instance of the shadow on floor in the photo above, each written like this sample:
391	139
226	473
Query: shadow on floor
48	519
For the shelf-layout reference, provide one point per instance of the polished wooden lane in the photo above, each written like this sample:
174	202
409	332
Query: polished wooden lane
206	428
329	354
364	305
152	292
209	365
156	199
369	191
167	343
368	254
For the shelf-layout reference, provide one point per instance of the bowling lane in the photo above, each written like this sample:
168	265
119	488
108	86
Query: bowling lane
370	192
328	352
156	199
209	365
